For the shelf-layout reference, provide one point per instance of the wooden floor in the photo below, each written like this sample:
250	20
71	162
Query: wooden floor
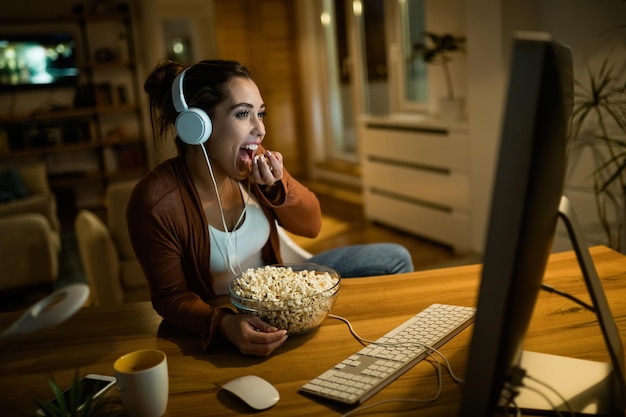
345	208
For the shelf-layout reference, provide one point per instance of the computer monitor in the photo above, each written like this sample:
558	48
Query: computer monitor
524	214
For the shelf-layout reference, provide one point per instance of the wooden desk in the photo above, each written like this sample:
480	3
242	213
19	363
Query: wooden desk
96	336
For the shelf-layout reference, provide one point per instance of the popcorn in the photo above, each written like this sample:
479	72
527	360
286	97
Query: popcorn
293	300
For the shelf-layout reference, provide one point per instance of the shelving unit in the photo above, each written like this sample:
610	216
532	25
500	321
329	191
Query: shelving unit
98	136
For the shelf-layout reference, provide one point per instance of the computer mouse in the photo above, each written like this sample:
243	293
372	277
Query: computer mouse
254	391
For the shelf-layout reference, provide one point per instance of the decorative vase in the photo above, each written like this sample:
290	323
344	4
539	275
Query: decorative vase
452	109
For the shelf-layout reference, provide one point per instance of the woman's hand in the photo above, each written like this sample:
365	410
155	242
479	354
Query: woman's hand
251	335
267	168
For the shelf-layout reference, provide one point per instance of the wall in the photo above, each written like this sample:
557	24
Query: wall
446	16
490	27
582	25
198	15
261	34
485	83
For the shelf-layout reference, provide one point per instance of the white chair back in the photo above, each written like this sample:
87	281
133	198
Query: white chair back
292	253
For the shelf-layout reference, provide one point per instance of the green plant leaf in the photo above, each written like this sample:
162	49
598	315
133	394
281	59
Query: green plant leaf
70	408
61	407
435	48
436	45
600	104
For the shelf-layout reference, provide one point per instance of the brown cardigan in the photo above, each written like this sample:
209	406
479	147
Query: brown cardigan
170	235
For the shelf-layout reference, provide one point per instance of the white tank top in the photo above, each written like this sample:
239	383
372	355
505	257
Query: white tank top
231	255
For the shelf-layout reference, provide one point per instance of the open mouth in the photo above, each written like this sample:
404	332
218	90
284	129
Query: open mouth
250	149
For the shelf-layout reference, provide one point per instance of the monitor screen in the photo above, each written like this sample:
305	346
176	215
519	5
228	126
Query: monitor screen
527	191
37	60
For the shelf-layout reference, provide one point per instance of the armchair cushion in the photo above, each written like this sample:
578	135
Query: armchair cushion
131	274
11	185
28	252
30	239
35	178
99	258
38	197
114	273
43	204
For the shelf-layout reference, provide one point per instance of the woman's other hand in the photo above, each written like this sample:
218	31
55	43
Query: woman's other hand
251	335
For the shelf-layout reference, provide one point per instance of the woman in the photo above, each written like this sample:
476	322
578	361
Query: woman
204	216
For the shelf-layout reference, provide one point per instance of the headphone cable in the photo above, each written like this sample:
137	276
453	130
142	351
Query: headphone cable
219	203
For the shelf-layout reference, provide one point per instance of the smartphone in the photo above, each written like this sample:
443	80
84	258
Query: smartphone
92	386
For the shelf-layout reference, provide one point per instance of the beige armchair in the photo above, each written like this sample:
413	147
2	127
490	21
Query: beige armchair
30	240
112	271
39	198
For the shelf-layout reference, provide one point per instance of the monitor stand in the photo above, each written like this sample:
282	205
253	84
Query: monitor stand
590	388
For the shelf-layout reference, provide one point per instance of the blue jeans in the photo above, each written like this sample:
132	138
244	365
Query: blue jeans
366	260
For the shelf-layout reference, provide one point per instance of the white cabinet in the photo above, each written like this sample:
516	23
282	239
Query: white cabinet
415	177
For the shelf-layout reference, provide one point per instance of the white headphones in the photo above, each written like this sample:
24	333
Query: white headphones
193	125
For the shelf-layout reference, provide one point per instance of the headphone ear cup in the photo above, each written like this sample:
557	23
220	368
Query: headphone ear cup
194	126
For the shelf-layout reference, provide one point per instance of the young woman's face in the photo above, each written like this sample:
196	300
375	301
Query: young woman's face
238	128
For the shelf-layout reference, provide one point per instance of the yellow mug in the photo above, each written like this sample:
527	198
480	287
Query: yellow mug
143	381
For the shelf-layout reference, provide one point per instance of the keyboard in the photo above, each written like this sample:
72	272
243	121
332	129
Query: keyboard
360	376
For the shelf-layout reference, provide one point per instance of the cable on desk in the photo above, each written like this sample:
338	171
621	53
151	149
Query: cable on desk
545	397
511	390
517	412
578	301
430	350
508	394
365	342
556	392
435	397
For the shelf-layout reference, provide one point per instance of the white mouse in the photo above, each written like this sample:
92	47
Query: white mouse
254	391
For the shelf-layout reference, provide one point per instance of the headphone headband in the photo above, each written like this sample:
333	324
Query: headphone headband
178	97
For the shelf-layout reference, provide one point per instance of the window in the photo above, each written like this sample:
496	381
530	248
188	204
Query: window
414	70
368	65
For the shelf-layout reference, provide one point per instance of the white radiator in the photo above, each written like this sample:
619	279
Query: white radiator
415	178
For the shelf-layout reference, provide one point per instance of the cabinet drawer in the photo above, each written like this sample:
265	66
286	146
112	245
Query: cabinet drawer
447	189
438	149
447	227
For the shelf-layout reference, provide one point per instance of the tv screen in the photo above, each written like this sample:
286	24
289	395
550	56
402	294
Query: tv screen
37	60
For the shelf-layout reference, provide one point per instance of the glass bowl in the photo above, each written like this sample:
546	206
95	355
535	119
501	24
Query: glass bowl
293	297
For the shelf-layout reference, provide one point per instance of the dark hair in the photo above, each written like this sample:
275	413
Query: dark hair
204	87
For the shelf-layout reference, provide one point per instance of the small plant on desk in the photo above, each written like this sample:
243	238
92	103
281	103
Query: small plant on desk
74	407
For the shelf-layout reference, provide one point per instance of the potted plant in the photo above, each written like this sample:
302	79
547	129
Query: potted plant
74	407
599	122
437	49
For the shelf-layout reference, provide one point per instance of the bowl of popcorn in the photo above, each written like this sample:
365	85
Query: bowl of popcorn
293	297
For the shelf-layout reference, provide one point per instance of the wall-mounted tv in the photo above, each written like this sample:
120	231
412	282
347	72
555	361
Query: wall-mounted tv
41	60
